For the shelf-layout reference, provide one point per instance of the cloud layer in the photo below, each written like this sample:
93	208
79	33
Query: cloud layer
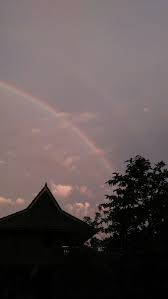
103	66
62	191
9	201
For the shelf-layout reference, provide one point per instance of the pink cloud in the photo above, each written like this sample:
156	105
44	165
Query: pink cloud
20	201
9	201
5	201
62	190
70	162
79	209
85	191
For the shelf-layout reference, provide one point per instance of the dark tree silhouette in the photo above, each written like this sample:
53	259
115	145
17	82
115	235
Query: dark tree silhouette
137	205
133	221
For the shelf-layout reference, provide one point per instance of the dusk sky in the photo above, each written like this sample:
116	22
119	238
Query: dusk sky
83	87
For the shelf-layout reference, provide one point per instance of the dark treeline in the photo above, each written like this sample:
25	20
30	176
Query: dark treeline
132	226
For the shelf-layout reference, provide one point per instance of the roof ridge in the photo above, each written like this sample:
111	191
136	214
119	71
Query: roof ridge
27	219
45	188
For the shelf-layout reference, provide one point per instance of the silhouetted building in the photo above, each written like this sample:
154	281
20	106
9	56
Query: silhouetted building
41	234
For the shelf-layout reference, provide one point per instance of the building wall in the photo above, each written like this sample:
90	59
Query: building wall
27	248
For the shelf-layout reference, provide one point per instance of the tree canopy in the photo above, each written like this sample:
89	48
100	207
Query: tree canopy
137	205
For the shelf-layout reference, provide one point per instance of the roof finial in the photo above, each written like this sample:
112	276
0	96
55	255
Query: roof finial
46	184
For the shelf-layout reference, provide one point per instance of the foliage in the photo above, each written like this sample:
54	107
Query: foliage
138	203
96	241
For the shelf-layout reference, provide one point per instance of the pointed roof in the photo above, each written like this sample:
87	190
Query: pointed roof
45	214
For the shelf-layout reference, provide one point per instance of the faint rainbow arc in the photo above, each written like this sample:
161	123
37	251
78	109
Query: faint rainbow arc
29	97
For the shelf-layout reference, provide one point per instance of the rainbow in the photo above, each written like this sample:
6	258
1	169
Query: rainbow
12	89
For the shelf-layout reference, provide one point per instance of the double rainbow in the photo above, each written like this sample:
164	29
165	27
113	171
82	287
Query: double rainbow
12	89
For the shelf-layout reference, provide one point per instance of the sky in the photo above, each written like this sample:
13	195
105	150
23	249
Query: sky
83	87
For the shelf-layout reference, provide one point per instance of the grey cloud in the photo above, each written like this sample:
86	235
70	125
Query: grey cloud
103	65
